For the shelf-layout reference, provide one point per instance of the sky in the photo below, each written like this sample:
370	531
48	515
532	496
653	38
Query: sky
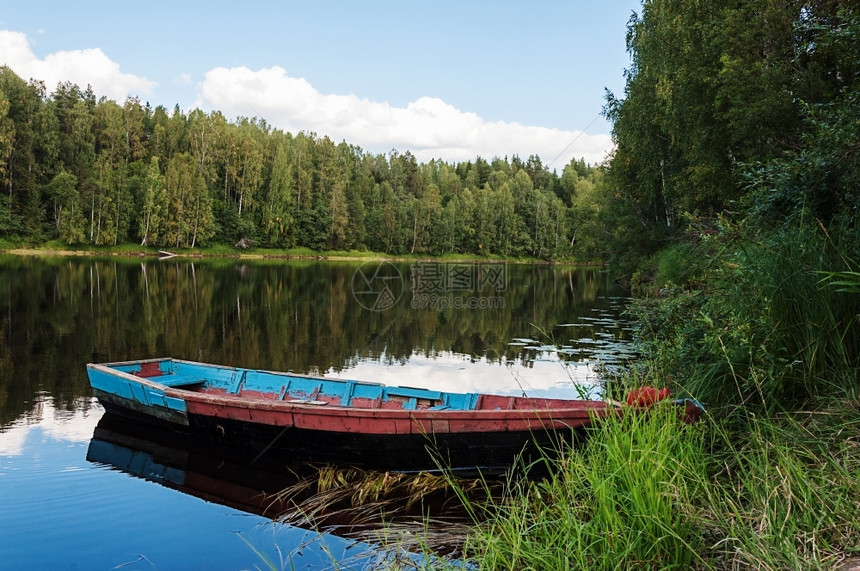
448	79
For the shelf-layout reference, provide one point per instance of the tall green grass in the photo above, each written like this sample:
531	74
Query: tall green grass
788	495
647	492
626	499
761	328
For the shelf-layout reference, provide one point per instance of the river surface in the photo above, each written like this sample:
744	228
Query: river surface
80	491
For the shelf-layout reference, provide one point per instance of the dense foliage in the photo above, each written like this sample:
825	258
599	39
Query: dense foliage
739	139
97	172
738	146
716	86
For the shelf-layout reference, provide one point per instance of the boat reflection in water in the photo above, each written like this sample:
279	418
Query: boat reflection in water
341	503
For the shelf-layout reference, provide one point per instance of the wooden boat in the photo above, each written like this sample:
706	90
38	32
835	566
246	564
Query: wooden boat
329	420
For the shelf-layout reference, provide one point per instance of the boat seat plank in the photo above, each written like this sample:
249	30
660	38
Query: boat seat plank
413	393
179	380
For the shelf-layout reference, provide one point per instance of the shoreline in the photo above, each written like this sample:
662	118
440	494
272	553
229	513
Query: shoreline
280	255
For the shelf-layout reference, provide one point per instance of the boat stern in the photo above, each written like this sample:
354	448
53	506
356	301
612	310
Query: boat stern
127	394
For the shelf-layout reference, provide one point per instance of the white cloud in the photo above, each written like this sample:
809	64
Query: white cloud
81	67
427	127
60	425
449	371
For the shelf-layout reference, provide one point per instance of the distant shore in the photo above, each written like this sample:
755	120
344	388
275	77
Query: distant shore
266	254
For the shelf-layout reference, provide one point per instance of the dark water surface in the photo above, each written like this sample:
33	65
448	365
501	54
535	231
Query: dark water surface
81	492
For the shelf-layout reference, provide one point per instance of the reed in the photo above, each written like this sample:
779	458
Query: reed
627	498
420	513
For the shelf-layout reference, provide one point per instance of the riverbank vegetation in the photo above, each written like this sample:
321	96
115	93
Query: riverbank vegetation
739	150
754	304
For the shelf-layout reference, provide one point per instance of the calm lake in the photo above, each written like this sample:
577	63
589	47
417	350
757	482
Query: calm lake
83	491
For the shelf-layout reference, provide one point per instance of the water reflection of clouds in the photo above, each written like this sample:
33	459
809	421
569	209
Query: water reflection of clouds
543	374
54	424
569	366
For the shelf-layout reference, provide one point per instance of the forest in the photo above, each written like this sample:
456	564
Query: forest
91	171
738	150
717	117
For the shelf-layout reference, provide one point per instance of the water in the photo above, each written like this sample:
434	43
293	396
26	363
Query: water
78	492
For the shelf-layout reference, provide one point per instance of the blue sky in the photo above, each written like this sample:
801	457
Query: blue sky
444	79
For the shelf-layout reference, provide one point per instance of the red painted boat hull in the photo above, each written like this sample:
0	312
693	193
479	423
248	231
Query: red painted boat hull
389	432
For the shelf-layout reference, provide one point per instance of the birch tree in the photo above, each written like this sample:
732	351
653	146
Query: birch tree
152	214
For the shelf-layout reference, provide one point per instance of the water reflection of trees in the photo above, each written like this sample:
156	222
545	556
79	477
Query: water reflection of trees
58	314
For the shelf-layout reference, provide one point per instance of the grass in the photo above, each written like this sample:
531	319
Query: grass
649	492
788	498
627	498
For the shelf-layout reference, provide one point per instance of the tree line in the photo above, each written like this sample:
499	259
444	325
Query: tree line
729	107
88	171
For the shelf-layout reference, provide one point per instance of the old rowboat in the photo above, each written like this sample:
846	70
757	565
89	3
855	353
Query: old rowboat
298	417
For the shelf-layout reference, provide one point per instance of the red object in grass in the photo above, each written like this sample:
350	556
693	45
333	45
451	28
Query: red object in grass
646	396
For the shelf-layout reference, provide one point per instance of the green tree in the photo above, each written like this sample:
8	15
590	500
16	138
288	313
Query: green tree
521	189
133	115
507	220
201	212
712	85
206	136
152	214
485	221
388	223
68	209
246	167
179	180
463	213
113	204
279	206
31	152
82	140
426	212
331	207
175	133
339	215
156	127
7	145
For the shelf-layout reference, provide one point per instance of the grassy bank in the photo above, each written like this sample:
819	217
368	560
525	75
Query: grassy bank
764	328
57	248
649	492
